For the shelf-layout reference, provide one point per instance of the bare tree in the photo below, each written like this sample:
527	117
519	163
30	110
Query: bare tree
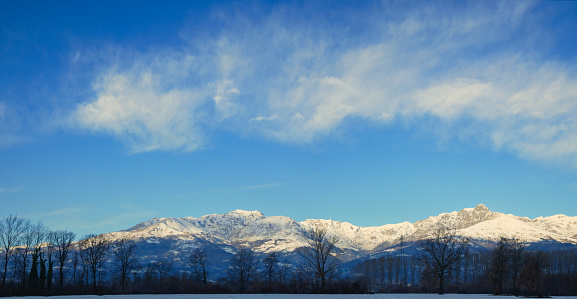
442	252
27	242
39	236
62	244
517	261
320	254
50	250
403	269
285	272
198	261
125	260
75	263
11	230
94	253
532	274
242	268
270	265
164	267
500	258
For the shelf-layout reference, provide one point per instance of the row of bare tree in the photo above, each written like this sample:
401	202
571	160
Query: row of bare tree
31	253
269	274
444	258
32	250
35	258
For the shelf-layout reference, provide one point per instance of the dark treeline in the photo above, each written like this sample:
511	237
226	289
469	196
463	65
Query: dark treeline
506	269
38	261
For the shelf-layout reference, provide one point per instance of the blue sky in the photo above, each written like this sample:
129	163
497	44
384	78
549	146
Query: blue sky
115	112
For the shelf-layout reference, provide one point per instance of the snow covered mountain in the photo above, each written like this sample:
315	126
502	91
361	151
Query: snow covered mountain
224	234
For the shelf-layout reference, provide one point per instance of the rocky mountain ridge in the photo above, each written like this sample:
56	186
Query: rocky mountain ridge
263	234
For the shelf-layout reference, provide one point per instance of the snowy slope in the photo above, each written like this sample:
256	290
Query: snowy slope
263	234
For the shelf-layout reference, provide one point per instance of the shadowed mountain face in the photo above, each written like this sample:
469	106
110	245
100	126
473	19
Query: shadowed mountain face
223	234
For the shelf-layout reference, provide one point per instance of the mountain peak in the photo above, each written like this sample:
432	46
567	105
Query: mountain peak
239	228
481	208
247	214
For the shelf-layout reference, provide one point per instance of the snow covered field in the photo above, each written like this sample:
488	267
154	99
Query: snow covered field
284	296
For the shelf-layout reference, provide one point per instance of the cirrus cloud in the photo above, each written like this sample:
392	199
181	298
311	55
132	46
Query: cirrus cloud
294	82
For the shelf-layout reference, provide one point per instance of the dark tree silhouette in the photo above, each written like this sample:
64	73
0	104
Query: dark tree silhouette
270	266
500	265
94	253
50	250
441	252
11	229
125	260
320	254
163	267
531	276
27	242
517	261
62	244
42	276
199	263
285	272
39	236
242	268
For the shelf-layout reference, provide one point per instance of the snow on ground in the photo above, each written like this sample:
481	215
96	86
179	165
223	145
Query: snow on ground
285	296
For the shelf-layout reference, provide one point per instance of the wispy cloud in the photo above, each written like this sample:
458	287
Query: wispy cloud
293	82
69	212
136	106
69	218
79	219
261	186
10	190
10	128
264	118
126	217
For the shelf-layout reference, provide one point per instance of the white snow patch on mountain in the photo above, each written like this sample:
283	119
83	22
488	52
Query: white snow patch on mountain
279	233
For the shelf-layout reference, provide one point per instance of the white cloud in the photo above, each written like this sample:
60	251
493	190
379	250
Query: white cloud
526	109
264	118
451	99
297	83
143	110
224	98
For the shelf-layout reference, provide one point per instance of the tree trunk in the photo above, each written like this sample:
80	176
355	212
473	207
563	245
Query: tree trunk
61	281
94	281
33	277
441	281
500	284
42	283
24	274
5	271
203	276
49	275
123	281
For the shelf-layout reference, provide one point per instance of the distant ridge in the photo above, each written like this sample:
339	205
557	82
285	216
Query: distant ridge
264	234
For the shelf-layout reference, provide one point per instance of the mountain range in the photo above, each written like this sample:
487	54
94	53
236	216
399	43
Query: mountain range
222	235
